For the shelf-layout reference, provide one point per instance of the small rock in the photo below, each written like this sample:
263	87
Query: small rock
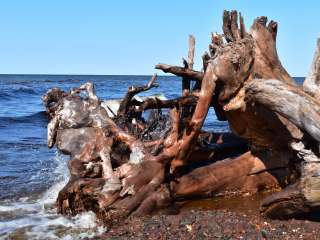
189	227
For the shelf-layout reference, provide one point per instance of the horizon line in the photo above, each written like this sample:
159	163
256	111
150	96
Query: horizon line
81	74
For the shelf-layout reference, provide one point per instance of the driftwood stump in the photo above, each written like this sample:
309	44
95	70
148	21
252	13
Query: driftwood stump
123	164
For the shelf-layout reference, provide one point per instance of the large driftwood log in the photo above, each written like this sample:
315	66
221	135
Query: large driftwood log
125	164
302	110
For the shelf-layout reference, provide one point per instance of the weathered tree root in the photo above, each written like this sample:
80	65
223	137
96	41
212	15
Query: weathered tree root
124	164
246	173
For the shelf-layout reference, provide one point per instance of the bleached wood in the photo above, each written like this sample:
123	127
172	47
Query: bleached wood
289	101
192	44
311	84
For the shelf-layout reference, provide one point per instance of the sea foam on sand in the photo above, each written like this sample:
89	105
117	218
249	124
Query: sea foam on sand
37	218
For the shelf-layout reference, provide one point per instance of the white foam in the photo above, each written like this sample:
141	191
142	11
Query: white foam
37	219
61	177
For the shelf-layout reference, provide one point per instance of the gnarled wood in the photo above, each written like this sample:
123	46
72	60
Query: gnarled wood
125	164
132	91
244	174
289	101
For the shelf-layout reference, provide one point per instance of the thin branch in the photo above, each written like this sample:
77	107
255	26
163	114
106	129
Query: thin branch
180	71
132	91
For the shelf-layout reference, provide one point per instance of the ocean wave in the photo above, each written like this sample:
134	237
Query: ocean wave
24	119
17	92
8	177
38	218
5	95
24	90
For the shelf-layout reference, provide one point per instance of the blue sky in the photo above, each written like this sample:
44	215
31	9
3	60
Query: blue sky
130	37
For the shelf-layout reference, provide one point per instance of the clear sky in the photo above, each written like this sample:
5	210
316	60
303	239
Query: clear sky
130	37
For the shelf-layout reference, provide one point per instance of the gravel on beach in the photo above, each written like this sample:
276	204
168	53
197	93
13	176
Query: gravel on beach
212	224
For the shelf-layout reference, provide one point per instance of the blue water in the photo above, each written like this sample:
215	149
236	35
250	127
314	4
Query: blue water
29	171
